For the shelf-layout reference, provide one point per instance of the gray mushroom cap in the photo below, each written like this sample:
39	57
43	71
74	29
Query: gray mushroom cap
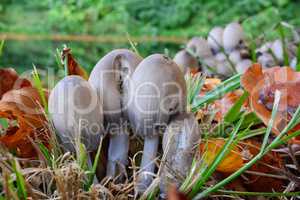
185	61
109	77
76	111
179	142
215	38
233	35
200	47
157	91
243	65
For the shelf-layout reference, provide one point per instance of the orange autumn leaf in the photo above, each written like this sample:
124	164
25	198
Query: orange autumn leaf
9	80
73	67
241	154
262	84
231	163
24	107
224	104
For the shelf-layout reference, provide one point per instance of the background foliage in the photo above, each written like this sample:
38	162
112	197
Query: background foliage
180	18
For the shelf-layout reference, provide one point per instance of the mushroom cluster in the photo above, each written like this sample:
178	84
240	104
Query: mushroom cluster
224	52
272	53
125	94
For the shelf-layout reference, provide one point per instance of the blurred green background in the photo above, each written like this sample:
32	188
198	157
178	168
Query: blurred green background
118	18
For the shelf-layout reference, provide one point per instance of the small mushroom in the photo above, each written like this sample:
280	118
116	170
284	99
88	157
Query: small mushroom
233	36
199	47
215	39
293	63
243	65
179	142
157	92
185	61
109	78
235	56
266	60
277	49
76	114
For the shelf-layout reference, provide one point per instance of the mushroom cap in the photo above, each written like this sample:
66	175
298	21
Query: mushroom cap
215	38
208	63
157	91
243	65
75	111
223	68
179	140
200	47
293	63
277	49
109	77
266	60
184	60
233	35
235	56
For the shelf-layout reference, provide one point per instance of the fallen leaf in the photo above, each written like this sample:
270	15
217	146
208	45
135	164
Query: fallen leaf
262	84
73	67
174	194
24	107
224	104
9	79
240	154
231	163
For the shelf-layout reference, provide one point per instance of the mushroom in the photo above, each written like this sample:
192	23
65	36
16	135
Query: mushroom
76	114
233	36
199	47
185	61
158	92
215	39
235	56
266	59
180	138
277	49
109	78
243	65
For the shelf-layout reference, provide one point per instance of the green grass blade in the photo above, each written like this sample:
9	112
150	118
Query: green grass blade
284	47
234	111
94	168
46	154
298	58
264	194
38	84
22	193
1	47
226	86
218	159
262	152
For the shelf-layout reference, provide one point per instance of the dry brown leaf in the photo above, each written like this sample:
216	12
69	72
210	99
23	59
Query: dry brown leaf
9	80
262	84
224	104
73	67
24	107
174	194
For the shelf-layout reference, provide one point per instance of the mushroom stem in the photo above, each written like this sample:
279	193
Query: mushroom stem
117	153
148	162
